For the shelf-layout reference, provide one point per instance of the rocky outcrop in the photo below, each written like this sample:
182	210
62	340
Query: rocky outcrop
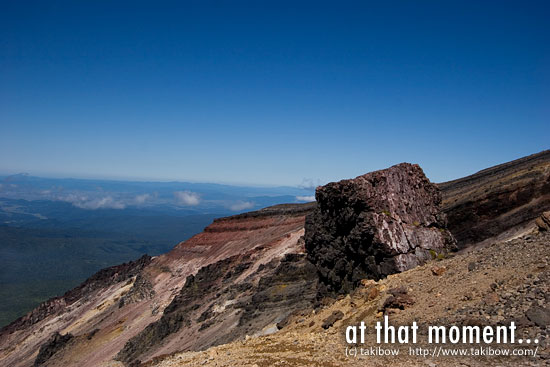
180	312
230	289
501	200
52	346
142	289
377	224
291	287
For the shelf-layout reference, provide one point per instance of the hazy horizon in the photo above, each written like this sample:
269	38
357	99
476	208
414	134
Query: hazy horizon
307	183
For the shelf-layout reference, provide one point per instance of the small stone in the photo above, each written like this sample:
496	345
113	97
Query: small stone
491	298
543	222
329	321
367	283
372	293
438	270
539	315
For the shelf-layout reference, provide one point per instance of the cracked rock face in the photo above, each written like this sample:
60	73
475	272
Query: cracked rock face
52	346
377	224
217	306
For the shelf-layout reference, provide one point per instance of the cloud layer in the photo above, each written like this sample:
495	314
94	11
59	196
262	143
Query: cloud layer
310	183
141	199
306	198
241	205
187	198
84	202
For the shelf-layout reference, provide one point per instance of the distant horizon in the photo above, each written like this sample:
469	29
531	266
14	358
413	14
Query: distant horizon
229	183
138	179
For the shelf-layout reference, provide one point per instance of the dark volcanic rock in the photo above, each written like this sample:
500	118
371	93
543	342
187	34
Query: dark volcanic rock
52	346
285	286
399	298
329	321
539	315
291	287
178	313
377	224
142	289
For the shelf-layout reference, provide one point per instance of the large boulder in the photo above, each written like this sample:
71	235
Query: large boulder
374	225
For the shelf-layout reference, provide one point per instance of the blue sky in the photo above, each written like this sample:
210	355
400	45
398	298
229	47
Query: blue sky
265	92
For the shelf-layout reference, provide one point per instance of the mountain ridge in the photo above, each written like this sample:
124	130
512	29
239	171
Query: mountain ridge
258	243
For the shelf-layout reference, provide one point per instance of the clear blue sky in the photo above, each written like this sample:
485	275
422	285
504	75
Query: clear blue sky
270	92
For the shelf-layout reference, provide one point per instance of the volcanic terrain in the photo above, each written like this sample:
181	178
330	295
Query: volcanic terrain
279	285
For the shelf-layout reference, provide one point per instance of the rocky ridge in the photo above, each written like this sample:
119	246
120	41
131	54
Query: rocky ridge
498	202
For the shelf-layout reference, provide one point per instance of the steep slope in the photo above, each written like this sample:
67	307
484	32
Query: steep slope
499	201
249	274
128	305
497	287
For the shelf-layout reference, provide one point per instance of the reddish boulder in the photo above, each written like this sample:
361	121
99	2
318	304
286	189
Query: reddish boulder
377	224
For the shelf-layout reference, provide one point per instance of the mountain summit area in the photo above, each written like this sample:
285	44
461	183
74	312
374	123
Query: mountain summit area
279	286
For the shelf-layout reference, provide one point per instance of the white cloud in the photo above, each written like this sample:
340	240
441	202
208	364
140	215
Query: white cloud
305	198
241	205
141	199
310	183
83	202
106	202
187	198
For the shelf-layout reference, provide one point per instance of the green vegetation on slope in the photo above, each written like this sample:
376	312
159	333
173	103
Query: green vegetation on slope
39	263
